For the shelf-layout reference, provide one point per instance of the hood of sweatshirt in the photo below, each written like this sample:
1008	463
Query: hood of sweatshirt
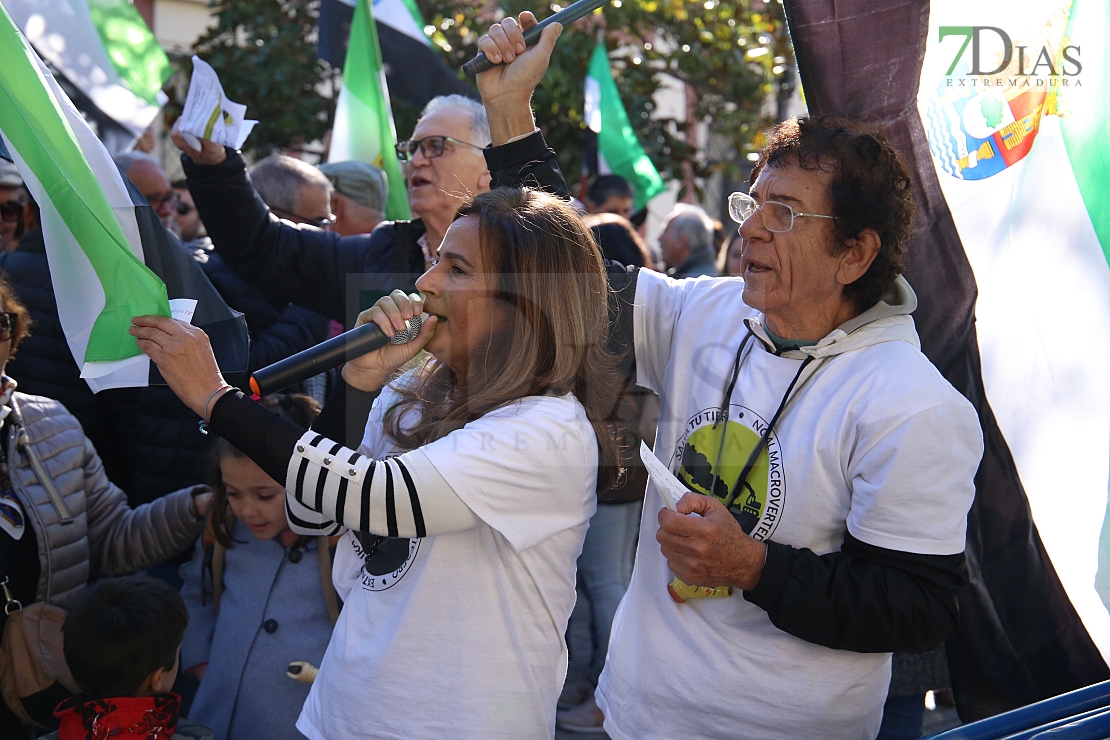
888	320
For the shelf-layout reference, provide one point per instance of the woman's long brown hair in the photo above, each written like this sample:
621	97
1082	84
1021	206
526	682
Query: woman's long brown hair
550	281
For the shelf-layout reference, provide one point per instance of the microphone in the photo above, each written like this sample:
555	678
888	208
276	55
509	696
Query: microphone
326	355
566	16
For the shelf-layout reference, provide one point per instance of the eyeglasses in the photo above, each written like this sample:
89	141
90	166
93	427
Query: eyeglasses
8	321
183	209
320	223
430	146
776	216
11	210
157	199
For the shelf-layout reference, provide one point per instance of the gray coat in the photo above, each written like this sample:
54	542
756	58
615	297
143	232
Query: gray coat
81	520
245	693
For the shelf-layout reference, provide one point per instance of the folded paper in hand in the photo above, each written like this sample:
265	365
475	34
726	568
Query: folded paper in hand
209	114
670	487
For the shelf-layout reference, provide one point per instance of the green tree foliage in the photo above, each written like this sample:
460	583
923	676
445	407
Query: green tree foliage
722	49
265	54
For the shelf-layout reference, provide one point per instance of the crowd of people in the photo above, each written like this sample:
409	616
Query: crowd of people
455	537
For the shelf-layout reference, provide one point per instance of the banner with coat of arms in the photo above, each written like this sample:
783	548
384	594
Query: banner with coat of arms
1012	99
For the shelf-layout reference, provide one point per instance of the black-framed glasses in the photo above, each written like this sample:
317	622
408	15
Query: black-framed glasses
157	199
11	210
320	223
776	216
183	209
8	321
430	146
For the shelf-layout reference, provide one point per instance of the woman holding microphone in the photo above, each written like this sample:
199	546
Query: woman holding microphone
468	500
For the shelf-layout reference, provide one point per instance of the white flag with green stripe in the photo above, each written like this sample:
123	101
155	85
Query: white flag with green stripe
88	218
364	129
105	49
1013	98
619	151
402	15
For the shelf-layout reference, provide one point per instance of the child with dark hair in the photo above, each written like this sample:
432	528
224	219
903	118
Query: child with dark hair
259	597
122	645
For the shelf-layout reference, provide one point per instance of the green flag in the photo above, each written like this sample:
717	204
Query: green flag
65	172
105	49
617	144
135	53
363	128
1086	127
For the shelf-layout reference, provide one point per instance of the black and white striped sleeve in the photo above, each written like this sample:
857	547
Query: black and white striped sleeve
329	487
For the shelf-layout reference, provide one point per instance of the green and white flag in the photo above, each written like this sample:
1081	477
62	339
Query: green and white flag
404	16
619	151
1013	98
363	129
105	49
110	258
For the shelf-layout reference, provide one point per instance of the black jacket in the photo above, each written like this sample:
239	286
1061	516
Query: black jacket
320	270
277	328
148	440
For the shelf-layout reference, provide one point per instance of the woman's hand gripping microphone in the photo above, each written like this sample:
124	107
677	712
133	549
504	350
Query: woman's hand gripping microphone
370	371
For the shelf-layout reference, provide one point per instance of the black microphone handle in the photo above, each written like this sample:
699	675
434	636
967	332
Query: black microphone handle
567	15
315	360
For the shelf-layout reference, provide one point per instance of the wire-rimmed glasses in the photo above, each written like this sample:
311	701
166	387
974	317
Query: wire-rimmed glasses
776	215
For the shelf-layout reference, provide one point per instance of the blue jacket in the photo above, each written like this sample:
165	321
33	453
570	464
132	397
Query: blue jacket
272	613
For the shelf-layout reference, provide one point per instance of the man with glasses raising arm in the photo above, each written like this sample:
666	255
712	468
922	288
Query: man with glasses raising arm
444	166
447	161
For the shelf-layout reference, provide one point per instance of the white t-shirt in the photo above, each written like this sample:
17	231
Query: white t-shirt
463	636
876	443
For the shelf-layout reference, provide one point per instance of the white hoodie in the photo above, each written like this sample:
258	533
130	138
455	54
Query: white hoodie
872	440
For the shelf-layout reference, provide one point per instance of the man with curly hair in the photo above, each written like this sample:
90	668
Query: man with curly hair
830	465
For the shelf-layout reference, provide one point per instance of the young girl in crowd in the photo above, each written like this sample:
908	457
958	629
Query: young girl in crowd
259	597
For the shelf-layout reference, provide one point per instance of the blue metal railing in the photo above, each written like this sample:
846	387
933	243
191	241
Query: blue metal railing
1076	715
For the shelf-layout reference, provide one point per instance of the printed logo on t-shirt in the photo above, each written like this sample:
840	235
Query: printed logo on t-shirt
385	559
702	445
